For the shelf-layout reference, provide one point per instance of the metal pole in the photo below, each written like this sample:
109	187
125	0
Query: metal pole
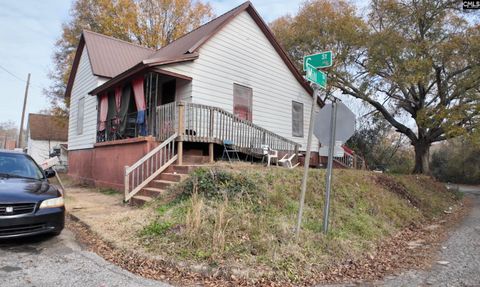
20	134
333	124
307	163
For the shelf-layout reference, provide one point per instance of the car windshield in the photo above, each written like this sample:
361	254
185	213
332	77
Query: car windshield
18	165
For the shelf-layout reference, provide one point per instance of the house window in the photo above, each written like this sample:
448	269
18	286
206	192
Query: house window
297	119
80	112
242	102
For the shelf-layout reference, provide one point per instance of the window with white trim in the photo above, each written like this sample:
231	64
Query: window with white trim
297	119
80	115
242	102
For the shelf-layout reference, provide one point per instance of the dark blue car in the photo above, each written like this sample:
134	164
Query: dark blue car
29	204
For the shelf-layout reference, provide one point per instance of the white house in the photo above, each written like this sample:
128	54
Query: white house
226	81
46	135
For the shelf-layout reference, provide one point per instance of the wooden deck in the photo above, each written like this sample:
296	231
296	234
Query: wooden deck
207	124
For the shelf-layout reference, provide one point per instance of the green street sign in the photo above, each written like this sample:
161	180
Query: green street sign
319	60
316	76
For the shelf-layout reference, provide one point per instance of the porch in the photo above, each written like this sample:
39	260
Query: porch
197	123
179	123
127	110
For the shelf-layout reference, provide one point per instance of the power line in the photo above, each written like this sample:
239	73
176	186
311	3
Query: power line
19	78
12	74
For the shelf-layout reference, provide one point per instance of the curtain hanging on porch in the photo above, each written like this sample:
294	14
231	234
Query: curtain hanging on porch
126	93
141	105
118	99
112	110
103	111
138	93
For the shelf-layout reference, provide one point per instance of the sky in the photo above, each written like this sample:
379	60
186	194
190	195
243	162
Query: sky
29	29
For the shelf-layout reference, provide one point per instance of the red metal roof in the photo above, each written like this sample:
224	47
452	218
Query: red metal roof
47	127
110	56
113	58
191	41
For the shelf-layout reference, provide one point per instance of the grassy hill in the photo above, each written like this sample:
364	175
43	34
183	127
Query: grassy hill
242	218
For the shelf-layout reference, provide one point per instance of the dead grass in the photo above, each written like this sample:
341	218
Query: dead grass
249	224
194	215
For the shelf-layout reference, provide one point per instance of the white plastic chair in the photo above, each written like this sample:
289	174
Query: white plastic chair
270	154
287	161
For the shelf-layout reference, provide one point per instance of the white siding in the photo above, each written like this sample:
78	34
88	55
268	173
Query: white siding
240	53
84	82
40	150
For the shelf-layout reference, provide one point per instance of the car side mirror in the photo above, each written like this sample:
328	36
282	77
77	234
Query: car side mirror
49	173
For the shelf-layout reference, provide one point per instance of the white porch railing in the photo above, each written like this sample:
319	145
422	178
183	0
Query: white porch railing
351	161
203	123
167	120
149	167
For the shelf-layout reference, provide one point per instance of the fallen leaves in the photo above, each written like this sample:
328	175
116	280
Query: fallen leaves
399	252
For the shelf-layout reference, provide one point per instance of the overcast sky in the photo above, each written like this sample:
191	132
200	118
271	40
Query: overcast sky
29	29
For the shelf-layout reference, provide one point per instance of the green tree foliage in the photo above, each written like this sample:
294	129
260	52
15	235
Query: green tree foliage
152	23
457	161
415	61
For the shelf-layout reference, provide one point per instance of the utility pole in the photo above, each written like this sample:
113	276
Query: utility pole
20	134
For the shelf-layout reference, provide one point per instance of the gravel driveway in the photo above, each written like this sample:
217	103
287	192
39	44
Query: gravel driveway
60	261
458	263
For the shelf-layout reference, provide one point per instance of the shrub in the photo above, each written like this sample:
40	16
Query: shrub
215	183
457	161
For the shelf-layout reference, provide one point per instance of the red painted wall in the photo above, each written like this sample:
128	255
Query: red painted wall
80	164
104	164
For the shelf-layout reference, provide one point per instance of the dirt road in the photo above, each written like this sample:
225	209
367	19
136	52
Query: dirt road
458	263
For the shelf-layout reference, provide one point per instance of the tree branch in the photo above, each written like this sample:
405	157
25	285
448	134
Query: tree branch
389	117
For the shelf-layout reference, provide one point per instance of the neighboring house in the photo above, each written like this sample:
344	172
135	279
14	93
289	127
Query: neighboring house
10	144
228	80
45	135
7	140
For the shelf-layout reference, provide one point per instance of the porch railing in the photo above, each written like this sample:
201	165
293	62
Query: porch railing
202	123
167	120
351	161
113	128
149	167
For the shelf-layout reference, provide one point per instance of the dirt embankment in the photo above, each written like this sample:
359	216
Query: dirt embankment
233	226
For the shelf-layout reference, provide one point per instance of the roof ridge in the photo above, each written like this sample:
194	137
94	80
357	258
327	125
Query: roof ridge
118	40
246	3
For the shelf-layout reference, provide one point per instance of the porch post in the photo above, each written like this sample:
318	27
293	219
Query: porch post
126	183
210	135
210	152
181	130
296	153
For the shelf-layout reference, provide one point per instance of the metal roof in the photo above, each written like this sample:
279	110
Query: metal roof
110	56
189	42
47	127
118	60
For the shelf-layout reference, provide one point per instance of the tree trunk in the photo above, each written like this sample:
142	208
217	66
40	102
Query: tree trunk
422	157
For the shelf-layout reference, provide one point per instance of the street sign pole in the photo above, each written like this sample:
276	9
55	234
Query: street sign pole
333	123
307	161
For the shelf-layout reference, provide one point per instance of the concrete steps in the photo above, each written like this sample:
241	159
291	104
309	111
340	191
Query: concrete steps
140	200
171	176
